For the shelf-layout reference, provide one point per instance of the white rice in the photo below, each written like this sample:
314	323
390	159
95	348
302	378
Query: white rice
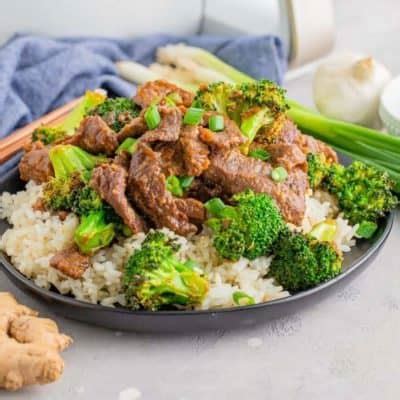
36	236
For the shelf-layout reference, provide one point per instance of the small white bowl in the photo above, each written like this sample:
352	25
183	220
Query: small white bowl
389	107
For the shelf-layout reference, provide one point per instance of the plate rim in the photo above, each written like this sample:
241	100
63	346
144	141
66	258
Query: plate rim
13	271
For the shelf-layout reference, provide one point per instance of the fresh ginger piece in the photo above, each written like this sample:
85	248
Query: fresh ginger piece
29	346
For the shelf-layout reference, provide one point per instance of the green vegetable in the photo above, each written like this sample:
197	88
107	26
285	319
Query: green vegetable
366	229
242	299
363	192
279	174
67	159
216	123
58	193
249	228
155	278
48	134
117	112
193	116
51	134
129	145
177	185
318	169
152	117
251	105
301	262
260	154
89	102
93	232
324	231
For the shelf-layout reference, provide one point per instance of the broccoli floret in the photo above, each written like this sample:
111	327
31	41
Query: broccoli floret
48	134
67	159
249	228
86	200
154	277
117	112
59	193
318	169
301	262
251	105
363	192
93	232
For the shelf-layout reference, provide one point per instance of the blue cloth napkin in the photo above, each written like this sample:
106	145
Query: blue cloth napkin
38	74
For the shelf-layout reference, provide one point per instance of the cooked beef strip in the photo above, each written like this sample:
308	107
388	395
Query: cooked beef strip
95	136
70	262
157	90
227	139
123	159
203	190
169	128
171	159
285	131
35	163
109	181
147	189
288	156
134	129
234	172
195	153
193	208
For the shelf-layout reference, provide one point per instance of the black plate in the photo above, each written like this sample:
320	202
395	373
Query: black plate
179	321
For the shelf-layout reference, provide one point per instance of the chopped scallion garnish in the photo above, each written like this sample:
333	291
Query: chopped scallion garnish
279	174
215	206
242	298
260	154
193	116
152	117
129	145
216	123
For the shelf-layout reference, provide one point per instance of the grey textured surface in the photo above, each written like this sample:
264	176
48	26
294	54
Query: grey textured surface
344	347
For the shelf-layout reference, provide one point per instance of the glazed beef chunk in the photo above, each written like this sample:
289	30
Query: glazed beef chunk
70	262
95	136
134	129
109	181
35	164
227	139
284	131
169	128
234	172
195	153
147	189
159	89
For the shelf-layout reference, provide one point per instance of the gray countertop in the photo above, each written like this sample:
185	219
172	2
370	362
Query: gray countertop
345	346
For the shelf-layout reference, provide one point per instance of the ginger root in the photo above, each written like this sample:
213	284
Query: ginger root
29	346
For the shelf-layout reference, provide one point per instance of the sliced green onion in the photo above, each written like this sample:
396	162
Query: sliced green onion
174	186
324	231
260	154
193	116
129	145
366	229
175	97
242	299
279	174
186	181
169	102
216	123
152	117
215	206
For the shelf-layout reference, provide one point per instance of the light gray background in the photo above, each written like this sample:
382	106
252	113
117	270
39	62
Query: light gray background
345	347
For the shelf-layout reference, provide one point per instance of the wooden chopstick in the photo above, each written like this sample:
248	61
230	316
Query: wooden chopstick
15	142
